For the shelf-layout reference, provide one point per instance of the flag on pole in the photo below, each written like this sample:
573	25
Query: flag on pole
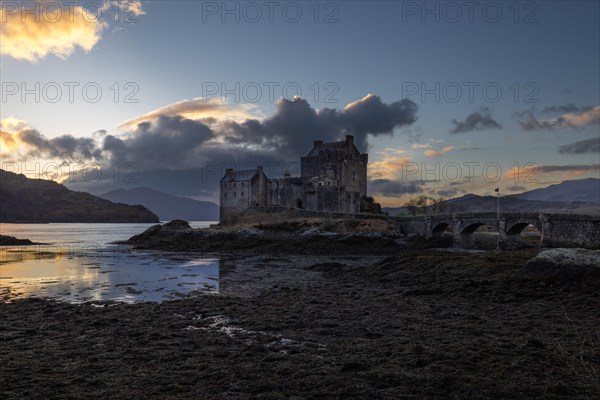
497	189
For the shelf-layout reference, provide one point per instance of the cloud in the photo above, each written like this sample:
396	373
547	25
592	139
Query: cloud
582	147
516	188
169	142
370	115
388	187
565	121
163	140
208	110
566	108
29	142
134	7
438	153
573	170
427	145
554	109
295	124
475	148
450	193
56	28
476	121
392	162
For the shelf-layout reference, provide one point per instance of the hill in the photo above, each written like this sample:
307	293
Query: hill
38	200
474	203
586	190
166	206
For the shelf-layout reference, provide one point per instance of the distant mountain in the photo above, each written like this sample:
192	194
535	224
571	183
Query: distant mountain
166	206
38	200
587	190
474	203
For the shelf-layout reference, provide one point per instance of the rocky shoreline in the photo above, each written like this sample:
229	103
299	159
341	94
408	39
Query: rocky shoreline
422	324
284	238
342	316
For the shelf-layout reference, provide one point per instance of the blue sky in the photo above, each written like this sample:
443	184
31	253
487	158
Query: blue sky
546	56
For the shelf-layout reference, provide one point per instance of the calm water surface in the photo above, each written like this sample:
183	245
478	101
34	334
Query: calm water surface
78	263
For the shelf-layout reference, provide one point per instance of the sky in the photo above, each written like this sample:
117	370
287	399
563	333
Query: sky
447	98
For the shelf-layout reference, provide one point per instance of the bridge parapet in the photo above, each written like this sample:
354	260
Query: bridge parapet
558	230
571	230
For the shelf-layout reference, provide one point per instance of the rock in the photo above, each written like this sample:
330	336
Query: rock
177	224
252	231
564	265
13	241
160	231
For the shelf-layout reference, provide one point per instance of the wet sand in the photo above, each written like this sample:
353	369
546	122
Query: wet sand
419	324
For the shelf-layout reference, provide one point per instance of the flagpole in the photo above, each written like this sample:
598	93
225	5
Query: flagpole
498	217
498	207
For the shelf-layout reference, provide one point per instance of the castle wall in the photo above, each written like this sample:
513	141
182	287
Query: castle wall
259	188
338	165
287	192
333	179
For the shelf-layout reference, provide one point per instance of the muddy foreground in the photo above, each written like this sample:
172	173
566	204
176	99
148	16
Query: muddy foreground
419	324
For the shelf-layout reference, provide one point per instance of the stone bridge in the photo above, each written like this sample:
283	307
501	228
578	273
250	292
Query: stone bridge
557	230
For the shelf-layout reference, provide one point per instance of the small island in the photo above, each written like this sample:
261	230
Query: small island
13	241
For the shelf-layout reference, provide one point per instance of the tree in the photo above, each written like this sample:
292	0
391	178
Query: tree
411	204
438	205
426	205
368	205
423	202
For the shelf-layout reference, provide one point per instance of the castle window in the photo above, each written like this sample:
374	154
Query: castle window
242	185
234	184
225	195
234	194
242	194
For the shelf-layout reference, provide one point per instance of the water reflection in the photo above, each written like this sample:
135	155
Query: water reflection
103	273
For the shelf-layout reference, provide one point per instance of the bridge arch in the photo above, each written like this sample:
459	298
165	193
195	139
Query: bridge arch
522	234
437	230
517	228
469	229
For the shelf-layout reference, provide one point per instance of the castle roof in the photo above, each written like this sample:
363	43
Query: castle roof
339	146
237	176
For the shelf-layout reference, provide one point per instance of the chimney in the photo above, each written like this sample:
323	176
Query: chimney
259	167
350	140
317	143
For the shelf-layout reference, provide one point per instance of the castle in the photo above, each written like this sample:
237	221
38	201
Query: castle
333	178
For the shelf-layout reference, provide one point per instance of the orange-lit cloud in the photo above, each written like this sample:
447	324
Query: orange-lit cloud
9	129
585	118
438	153
207	110
9	139
21	142
390	165
569	120
54	28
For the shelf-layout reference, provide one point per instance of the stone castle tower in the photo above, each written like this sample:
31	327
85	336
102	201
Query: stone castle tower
333	178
